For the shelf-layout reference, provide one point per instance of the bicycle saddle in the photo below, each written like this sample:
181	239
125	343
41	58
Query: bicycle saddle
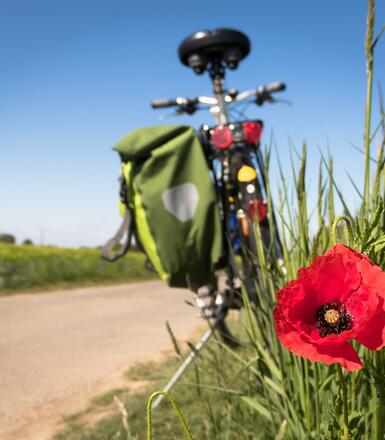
216	46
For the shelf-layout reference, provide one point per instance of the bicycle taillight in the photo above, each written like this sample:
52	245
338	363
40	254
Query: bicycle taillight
223	136
252	131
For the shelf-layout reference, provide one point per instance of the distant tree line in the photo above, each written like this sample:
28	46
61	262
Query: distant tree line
11	239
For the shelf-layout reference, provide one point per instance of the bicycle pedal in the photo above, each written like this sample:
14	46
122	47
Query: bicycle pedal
206	314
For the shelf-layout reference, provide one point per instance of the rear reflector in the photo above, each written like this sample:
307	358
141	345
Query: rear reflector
221	137
252	132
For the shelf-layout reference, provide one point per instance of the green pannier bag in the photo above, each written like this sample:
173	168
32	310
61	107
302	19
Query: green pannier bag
168	201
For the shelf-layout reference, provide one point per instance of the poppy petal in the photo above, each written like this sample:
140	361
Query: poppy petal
343	354
373	334
331	277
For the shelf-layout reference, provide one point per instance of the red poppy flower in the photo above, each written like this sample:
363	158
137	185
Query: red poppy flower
339	297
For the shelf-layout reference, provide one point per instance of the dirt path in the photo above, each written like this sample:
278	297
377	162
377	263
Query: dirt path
59	349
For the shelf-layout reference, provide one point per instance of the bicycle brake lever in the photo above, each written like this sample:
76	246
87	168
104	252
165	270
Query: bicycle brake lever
188	108
263	97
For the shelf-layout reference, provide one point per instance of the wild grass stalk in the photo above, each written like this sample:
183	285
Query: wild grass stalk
369	51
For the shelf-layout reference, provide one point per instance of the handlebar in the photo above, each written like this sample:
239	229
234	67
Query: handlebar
273	87
162	103
189	105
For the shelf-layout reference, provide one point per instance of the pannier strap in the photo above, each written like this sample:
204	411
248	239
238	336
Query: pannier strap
107	252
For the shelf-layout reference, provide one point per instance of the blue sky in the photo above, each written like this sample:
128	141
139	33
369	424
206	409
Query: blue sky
76	76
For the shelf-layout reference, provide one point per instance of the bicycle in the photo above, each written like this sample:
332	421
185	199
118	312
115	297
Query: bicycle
232	150
234	157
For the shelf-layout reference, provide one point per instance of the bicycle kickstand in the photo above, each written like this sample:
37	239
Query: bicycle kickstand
193	354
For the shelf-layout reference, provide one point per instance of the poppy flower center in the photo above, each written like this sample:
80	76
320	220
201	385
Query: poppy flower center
333	318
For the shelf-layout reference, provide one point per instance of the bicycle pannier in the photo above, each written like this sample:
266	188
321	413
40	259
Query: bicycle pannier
169	202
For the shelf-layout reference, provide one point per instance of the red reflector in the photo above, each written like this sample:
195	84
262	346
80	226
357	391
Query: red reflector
252	132
221	137
257	207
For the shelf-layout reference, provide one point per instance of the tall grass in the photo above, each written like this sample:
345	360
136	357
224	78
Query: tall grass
34	267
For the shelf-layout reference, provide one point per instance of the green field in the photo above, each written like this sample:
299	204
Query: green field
32	268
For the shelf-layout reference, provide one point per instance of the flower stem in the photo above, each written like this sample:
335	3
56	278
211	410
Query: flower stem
317	404
345	433
308	401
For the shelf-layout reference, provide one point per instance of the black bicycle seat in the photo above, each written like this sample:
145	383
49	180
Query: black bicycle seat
216	46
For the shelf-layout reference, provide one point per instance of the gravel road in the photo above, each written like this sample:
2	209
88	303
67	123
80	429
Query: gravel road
58	349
